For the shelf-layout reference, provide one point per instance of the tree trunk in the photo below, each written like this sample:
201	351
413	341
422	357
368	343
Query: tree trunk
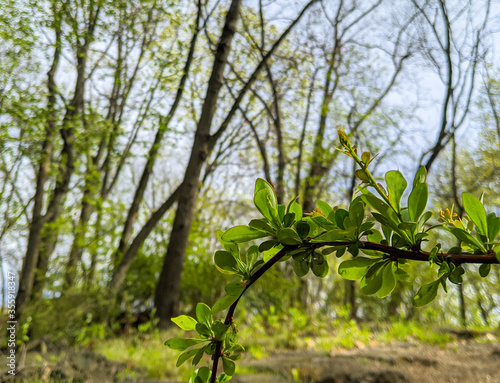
124	265
168	288
37	220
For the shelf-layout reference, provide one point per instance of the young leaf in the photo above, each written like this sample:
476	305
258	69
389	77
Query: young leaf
180	344
297	210
303	229
465	237
427	293
204	374
229	366
235	288
289	236
225	262
356	213
301	267
493	227
325	208
223	303
203	330
484	269
372	281
319	265
388	281
476	212
220	330
260	224
336	235
186	355
242	233
261	184
340	216
199	355
396	185
203	313
420	176
417	201
354	269
185	322
252	254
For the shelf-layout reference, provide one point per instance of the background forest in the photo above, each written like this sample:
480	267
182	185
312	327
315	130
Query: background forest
132	130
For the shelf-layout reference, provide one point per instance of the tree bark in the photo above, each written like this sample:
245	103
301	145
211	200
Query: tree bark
66	157
168	288
30	260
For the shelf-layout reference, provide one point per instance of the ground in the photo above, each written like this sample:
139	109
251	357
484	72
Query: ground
460	361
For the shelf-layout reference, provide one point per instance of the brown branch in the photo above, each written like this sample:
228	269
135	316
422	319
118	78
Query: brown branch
232	308
394	253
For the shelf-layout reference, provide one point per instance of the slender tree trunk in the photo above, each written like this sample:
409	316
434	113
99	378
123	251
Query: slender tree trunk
167	291
30	260
67	156
126	253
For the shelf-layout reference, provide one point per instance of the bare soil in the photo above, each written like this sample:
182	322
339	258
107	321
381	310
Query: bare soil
465	361
461	362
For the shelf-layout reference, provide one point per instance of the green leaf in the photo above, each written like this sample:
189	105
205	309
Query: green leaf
372	281
420	177
235	288
261	184
297	210
396	185
456	275
268	254
303	229
289	236
361	175
336	236
319	265
203	313
242	233
266	202
476	212
199	355
225	262
340	216
267	245
185	322
223	303
186	355
203	330
228	246
325	208
496	249
401	275
229	366
484	269
354	269
493	227
220	330
417	201
252	255
388	281
463	236
357	213
301	267
260	224
427	293
204	374
180	344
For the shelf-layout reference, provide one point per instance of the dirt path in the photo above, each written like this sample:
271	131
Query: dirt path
460	362
466	362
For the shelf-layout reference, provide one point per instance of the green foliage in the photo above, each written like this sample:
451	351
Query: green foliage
391	236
